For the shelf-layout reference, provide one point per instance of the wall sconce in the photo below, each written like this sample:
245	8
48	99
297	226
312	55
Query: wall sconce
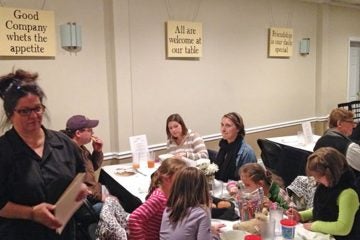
70	34
304	48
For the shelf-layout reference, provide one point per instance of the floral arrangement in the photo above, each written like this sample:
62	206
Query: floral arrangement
206	167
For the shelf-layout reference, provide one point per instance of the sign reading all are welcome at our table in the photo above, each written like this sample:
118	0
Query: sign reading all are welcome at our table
184	39
27	32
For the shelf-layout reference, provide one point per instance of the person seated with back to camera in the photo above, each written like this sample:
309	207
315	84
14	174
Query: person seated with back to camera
341	124
187	213
144	222
234	151
80	129
254	176
183	142
336	202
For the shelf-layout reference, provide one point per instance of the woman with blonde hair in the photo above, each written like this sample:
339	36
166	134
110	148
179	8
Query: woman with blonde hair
341	124
144	222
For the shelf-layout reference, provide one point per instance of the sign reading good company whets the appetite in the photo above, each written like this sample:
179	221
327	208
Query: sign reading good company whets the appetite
27	32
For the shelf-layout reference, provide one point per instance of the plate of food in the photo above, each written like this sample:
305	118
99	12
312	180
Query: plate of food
125	172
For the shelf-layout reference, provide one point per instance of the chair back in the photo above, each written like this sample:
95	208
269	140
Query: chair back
270	153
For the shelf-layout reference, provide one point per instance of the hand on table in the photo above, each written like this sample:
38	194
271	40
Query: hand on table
293	214
307	226
216	228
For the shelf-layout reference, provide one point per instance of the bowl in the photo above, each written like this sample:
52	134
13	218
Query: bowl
232	235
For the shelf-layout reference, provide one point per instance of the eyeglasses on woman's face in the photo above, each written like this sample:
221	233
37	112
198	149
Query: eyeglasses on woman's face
25	112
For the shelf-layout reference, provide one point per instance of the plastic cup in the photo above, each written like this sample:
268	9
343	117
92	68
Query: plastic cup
267	230
252	237
288	229
151	160
276	215
136	160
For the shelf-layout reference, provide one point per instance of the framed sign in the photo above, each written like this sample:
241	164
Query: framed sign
27	32
280	42
183	39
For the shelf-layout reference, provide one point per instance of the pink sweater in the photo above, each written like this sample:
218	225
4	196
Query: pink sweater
145	221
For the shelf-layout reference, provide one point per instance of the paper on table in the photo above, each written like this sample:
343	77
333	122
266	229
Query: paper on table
67	205
139	148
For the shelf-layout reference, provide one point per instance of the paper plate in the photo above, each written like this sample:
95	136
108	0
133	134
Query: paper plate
232	235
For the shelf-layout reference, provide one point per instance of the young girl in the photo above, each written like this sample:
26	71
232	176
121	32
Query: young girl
187	215
253	176
336	202
144	222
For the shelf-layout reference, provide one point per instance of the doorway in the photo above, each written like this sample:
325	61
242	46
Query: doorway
354	70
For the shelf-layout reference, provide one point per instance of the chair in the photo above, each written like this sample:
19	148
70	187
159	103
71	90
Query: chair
270	153
212	154
86	220
353	106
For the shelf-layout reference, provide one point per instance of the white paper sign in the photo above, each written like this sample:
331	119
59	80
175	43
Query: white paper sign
139	148
307	130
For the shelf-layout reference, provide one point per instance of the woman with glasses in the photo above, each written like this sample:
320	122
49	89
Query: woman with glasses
36	164
341	124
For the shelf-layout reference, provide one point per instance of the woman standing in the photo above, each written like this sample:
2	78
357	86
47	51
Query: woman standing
36	164
183	142
234	151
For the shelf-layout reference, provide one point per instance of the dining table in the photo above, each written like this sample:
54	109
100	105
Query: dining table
135	186
290	162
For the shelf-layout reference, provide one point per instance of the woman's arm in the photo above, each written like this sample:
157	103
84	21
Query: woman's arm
348	202
41	213
204	230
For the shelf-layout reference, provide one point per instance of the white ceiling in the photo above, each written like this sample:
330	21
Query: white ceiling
348	3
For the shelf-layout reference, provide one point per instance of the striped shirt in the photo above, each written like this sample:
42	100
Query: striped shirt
144	223
193	145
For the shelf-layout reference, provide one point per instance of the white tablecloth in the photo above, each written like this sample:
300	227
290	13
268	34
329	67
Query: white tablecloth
294	141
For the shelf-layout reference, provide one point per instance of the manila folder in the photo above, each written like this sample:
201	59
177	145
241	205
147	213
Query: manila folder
67	205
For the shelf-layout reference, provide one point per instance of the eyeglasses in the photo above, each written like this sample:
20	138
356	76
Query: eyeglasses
25	112
349	121
90	130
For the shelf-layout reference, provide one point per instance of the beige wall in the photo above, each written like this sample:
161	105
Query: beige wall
122	78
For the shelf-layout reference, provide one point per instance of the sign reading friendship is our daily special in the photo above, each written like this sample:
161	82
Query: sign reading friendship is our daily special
184	39
280	42
27	32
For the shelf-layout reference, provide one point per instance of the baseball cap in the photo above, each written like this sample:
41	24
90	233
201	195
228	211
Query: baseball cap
77	122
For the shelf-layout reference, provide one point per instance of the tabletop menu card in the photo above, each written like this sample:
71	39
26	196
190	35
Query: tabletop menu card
139	148
67	205
307	131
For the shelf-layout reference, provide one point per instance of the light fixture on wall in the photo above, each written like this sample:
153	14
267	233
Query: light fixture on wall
304	48
70	34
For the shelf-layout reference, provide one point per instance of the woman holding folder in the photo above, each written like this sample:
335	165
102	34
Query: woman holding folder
36	164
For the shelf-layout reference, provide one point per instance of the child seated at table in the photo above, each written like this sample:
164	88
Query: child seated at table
187	213
254	176
144	223
336	202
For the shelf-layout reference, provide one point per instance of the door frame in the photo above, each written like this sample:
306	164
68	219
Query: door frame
351	39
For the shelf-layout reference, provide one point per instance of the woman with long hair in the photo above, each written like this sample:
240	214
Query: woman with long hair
187	215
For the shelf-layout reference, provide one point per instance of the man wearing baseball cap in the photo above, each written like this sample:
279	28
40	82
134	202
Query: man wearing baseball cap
80	129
